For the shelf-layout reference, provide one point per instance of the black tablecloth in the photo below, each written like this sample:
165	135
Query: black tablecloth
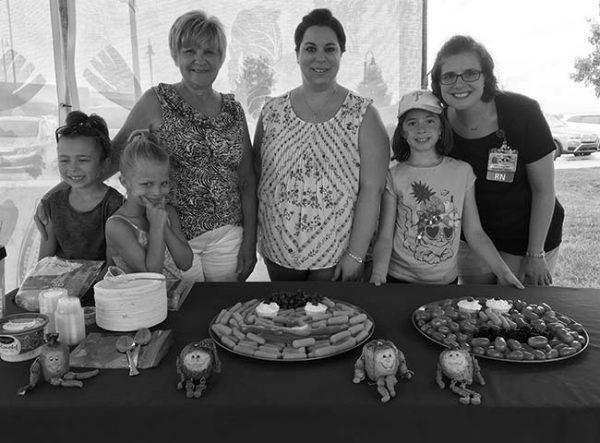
253	400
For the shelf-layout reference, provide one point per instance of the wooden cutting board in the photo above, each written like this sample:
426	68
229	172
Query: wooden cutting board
98	350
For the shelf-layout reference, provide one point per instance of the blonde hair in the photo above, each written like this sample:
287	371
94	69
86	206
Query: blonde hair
195	27
142	145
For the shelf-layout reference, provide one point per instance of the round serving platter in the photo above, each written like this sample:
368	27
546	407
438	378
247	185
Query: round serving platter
342	341
453	303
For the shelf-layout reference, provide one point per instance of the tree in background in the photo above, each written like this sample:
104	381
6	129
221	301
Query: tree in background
254	51
254	83
372	84
587	69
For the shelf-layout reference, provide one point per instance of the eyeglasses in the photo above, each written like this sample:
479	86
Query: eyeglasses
469	76
85	128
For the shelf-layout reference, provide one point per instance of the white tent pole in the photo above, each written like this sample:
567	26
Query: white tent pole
62	15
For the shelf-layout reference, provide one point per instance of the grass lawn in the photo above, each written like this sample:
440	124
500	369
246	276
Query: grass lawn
579	262
578	190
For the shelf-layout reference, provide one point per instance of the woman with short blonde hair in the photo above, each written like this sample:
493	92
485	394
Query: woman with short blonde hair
213	186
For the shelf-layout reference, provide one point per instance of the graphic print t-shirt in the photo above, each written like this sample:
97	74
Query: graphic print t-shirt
428	219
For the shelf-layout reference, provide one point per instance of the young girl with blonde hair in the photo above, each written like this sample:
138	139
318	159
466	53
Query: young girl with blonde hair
145	235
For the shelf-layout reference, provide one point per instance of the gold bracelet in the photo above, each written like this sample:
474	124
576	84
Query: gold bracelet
541	254
354	257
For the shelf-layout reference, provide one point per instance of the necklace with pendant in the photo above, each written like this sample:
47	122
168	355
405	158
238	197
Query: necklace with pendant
317	113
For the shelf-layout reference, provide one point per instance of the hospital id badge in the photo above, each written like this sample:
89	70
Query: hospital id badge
502	164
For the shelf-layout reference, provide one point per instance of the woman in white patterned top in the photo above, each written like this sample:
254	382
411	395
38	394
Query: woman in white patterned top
321	153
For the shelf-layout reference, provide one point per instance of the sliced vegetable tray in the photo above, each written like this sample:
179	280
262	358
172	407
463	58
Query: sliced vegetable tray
292	335
527	333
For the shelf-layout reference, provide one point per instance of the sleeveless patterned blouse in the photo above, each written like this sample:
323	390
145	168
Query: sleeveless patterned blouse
309	183
205	154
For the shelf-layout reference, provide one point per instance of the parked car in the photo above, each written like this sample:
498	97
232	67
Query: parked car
585	122
26	143
571	140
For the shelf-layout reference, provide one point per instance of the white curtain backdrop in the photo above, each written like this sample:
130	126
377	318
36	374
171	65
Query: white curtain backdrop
100	55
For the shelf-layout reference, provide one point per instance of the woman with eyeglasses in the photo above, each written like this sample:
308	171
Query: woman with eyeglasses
505	138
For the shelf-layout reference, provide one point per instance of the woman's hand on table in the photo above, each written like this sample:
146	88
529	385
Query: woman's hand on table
510	279
534	271
246	260
348	269
378	278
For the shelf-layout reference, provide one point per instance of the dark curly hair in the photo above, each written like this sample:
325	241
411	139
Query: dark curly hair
460	44
79	124
320	17
401	148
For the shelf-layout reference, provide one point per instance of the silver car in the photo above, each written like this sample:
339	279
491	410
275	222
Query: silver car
587	122
571	140
26	143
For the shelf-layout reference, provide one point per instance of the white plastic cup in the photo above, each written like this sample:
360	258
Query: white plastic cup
69	321
48	300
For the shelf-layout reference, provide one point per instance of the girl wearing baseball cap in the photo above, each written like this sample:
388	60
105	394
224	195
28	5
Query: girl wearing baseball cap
428	199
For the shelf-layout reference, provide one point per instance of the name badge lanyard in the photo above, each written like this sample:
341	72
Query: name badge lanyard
502	161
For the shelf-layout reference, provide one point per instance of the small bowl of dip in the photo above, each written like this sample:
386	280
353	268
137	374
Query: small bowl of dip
21	336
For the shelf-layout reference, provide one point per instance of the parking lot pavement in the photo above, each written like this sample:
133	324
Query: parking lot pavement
572	162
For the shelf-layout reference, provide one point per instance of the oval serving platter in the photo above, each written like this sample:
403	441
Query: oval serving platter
419	320
340	329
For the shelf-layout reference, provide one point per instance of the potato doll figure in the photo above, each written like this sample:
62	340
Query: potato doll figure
460	367
380	361
195	364
53	365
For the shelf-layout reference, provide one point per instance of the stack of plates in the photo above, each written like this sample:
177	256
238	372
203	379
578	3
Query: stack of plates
131	301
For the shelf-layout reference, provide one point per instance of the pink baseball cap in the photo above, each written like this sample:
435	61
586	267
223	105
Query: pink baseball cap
419	99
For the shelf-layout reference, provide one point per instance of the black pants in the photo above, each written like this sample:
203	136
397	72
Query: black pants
281	273
391	279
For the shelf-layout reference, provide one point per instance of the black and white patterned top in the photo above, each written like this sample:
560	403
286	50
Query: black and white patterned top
205	155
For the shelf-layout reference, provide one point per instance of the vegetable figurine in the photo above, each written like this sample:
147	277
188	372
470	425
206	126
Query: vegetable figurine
53	363
460	367
380	361
195	364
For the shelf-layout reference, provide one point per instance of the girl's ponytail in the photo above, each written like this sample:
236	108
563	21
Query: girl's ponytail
142	145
